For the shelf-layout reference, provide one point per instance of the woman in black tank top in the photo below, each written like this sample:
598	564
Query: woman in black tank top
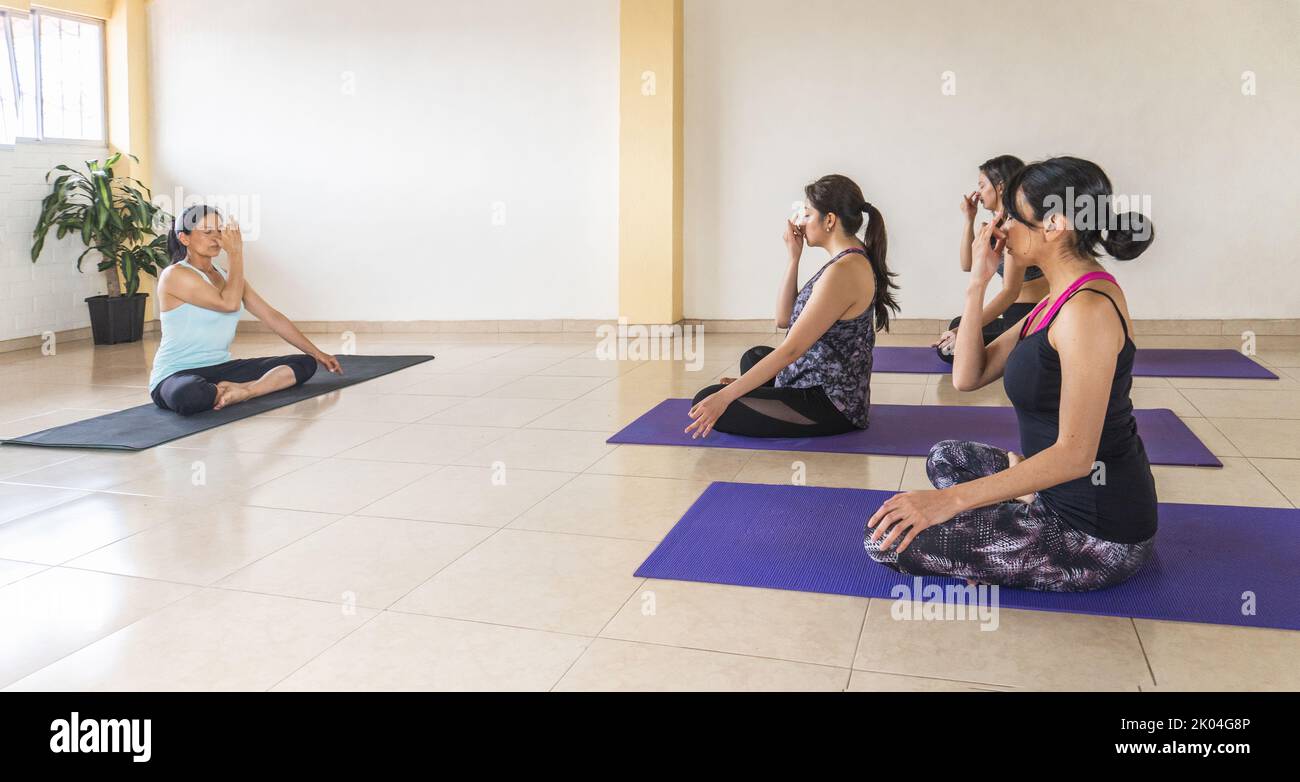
1078	511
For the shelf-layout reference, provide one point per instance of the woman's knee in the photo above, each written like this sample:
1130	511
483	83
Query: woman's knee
941	458
755	355
304	367
887	558
191	397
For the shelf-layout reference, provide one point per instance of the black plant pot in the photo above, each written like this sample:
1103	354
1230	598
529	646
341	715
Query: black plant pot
117	319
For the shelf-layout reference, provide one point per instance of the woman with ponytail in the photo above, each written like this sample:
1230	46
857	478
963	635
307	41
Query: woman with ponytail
1023	285
199	305
818	380
1078	510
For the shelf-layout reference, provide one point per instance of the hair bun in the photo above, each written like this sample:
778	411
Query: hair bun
1132	239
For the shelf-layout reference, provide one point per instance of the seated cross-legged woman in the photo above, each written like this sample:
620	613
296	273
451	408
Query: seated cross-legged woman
199	304
1023	285
818	380
1052	520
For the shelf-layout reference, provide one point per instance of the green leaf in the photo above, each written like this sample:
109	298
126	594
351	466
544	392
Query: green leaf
130	273
83	255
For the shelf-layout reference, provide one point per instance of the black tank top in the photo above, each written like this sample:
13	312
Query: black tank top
1118	504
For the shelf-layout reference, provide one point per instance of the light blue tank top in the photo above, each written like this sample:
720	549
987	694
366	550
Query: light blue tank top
193	336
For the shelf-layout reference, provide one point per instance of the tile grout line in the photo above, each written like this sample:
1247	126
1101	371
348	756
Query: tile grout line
1145	657
417	586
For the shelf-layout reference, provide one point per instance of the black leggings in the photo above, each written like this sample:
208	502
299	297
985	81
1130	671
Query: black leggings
768	411
998	327
193	391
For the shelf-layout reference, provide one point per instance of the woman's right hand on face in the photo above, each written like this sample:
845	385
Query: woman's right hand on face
793	238
945	340
231	239
986	252
970	205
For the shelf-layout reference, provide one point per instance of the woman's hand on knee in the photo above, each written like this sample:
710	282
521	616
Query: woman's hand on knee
330	363
706	413
904	516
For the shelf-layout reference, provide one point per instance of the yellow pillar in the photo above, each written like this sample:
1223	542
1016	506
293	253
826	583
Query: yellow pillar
650	161
127	61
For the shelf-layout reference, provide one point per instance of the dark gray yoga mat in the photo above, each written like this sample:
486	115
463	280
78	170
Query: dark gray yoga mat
147	426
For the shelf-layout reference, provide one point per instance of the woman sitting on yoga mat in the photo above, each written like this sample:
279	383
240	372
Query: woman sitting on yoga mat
818	381
199	305
1022	286
1078	512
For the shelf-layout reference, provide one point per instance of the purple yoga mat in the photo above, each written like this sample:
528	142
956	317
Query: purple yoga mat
911	430
1150	362
807	539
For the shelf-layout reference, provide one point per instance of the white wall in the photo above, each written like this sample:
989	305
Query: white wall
778	94
47	295
379	204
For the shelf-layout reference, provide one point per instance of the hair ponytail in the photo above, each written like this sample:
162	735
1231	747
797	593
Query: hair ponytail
175	250
876	243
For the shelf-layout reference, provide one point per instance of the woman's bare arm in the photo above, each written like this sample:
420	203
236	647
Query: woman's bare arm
1087	335
833	296
285	329
785	298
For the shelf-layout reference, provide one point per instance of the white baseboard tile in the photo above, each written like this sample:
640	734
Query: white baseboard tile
1162	327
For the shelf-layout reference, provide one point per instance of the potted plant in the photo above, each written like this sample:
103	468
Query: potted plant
115	218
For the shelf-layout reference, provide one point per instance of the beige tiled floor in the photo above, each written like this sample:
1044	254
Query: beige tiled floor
464	525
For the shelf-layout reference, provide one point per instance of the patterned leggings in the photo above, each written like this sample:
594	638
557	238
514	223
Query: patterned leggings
1012	544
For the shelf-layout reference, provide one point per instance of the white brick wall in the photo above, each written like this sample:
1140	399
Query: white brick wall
49	294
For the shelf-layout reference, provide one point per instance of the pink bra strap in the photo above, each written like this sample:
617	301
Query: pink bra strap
1032	315
1064	297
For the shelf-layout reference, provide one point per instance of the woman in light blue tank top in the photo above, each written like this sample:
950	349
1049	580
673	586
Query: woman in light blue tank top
199	304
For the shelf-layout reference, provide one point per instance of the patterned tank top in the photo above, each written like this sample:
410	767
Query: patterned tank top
840	361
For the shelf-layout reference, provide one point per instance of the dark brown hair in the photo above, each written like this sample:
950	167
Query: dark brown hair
840	196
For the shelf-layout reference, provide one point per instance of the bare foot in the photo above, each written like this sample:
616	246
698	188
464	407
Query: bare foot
1013	459
231	394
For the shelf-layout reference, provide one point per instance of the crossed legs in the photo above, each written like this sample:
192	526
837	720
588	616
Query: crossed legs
220	386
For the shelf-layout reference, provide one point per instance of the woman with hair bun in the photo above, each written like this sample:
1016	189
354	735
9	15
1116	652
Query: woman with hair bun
817	382
1078	510
198	308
